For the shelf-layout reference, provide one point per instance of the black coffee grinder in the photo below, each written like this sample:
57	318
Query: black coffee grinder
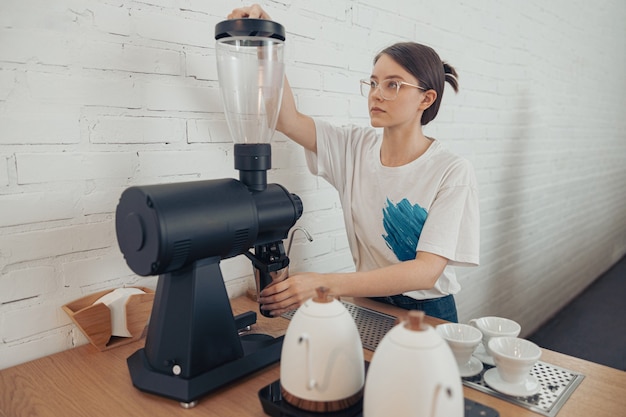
182	231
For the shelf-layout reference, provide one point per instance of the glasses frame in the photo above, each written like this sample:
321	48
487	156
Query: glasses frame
369	83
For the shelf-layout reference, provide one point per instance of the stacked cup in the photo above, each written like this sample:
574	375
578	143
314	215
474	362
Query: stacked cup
463	340
512	356
492	327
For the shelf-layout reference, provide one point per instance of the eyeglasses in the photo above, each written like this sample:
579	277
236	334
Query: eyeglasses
389	89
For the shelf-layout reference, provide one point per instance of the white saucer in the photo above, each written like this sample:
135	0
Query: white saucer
483	356
471	368
529	386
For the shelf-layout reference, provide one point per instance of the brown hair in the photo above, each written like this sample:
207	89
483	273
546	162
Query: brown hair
424	64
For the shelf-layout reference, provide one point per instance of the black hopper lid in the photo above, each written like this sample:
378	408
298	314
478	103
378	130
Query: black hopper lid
249	27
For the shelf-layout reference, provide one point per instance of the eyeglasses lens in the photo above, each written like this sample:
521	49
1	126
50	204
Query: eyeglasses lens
388	88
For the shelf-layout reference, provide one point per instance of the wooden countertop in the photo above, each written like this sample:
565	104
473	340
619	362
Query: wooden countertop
86	382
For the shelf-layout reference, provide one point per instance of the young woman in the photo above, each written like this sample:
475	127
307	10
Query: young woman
410	206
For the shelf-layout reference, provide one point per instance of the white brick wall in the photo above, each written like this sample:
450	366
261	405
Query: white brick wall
99	95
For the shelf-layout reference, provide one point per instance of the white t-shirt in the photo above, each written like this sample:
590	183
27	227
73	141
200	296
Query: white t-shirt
391	213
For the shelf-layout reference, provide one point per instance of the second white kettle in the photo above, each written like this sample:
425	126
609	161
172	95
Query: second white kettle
413	373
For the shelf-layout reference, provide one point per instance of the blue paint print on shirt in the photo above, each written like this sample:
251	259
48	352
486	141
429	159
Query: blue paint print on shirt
403	223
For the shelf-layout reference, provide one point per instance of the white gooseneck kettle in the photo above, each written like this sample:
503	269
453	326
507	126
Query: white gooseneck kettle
321	365
413	373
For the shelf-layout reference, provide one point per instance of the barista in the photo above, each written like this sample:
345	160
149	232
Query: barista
410	206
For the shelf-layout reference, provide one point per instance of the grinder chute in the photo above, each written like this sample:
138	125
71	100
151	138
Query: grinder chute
182	231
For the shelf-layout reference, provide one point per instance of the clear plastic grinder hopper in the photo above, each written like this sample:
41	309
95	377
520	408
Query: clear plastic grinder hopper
251	71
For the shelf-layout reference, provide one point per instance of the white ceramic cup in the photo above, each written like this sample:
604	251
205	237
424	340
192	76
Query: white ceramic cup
492	327
514	357
462	339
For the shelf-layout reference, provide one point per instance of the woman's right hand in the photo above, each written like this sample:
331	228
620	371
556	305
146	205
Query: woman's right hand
291	293
253	12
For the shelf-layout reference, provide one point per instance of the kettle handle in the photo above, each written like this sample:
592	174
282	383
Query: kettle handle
439	392
311	383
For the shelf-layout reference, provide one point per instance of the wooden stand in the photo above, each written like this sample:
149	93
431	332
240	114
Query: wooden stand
94	320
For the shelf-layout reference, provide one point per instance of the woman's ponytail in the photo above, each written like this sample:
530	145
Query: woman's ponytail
451	76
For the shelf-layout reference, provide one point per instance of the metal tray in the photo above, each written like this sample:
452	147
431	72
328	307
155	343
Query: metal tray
557	384
273	405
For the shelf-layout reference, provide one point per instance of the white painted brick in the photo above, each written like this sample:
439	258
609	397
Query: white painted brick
165	4
302	249
41	128
201	130
308	52
364	16
335	262
54	242
102	199
4	171
288	156
200	163
324	222
304	78
25	322
220	9
37	207
341	241
320	199
136	129
335	9
341	82
361	59
323	105
182	97
201	67
108	268
111	18
398	26
380	40
297	25
294	182
160	26
41	46
358	111
235	268
84	90
37	14
27	283
46	167
8	80
126	57
220	132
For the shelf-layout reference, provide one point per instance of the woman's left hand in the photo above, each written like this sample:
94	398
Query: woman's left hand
291	293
